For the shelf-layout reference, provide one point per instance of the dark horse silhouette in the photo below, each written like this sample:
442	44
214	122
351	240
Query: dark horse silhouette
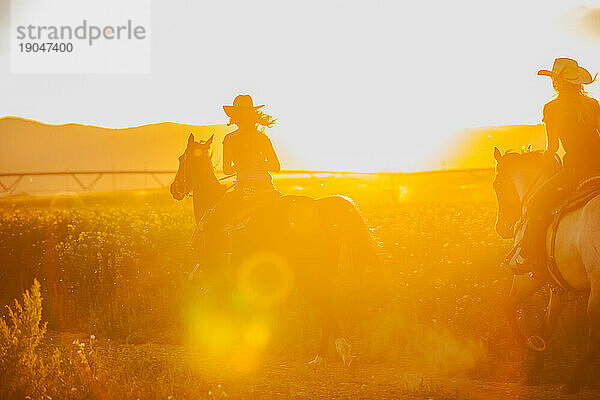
308	234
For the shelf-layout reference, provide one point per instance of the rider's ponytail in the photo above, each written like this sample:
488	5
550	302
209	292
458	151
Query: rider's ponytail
262	119
265	120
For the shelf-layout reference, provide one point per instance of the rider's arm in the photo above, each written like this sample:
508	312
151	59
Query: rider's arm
228	167
272	160
551	134
552	141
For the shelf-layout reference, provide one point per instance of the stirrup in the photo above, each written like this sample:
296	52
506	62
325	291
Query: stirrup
536	343
516	262
534	270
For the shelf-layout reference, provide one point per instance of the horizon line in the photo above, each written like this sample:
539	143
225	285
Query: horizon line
25	119
83	124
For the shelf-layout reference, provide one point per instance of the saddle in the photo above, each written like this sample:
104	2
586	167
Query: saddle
231	215
586	190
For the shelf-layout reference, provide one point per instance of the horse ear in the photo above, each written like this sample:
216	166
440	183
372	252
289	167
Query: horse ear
191	139
210	140
497	154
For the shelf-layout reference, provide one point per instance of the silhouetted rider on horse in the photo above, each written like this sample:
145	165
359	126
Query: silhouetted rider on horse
248	151
573	118
308	242
249	154
534	186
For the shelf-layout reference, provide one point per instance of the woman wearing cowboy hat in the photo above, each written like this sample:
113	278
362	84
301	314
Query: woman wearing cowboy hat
249	154
572	119
248	151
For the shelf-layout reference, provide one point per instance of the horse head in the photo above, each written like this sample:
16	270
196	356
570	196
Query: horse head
195	168
518	176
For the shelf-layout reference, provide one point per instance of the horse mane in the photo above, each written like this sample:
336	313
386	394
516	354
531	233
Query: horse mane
531	155
511	152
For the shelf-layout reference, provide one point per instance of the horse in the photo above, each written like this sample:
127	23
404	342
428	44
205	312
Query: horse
308	235
576	256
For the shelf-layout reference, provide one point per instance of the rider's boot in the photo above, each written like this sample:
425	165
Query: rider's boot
533	260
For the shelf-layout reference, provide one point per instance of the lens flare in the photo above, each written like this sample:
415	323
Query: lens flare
265	280
256	334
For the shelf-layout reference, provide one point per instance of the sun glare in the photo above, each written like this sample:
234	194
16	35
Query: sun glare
378	100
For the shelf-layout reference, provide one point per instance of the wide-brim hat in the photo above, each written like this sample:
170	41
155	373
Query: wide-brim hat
568	70
243	102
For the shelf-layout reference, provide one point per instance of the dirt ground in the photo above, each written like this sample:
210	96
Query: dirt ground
191	375
379	381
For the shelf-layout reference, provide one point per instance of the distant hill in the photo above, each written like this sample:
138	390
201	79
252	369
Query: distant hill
30	146
473	148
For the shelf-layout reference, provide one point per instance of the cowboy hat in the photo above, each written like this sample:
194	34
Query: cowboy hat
243	102
568	70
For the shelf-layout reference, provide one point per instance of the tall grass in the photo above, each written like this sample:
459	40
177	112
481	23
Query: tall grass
19	339
114	271
23	371
35	367
118	269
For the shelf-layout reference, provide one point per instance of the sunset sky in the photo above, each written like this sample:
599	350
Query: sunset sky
363	86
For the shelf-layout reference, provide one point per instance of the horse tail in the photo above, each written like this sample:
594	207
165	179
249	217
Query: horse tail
358	248
360	274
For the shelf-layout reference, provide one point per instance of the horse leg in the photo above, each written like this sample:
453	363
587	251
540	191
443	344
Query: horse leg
342	346
321	296
523	286
326	333
555	306
573	385
320	358
330	328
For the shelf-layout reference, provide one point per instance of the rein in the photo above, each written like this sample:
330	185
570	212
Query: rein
218	180
225	177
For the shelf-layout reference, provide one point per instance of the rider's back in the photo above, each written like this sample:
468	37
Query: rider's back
249	151
575	119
